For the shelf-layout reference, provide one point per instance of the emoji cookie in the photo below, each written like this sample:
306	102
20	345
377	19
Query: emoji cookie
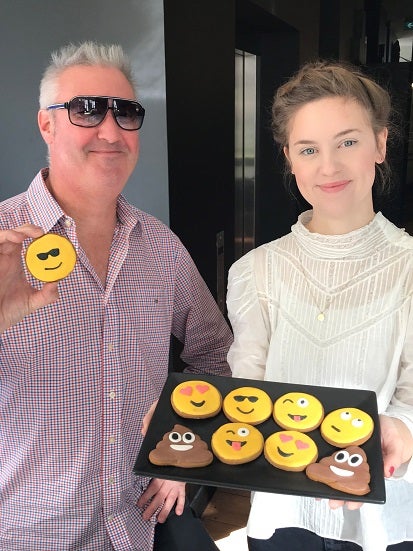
298	411
347	426
248	405
181	448
346	470
236	443
290	450
196	399
50	257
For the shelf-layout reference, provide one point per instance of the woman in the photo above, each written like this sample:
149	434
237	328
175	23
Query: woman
330	303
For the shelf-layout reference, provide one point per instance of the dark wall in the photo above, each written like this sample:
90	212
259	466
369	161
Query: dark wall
200	80
200	42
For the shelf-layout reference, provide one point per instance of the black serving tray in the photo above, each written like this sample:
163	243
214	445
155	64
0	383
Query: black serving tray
260	475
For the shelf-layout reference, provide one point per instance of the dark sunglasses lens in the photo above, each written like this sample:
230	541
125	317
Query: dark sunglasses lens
87	111
129	114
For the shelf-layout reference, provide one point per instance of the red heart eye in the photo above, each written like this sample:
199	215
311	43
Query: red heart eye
187	390
202	388
285	437
301	445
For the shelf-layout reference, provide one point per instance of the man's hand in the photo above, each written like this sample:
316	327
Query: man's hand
147	418
160	497
17	298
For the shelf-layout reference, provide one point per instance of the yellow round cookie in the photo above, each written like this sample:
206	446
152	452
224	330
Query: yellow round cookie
196	399
298	411
50	257
347	426
236	443
247	404
290	450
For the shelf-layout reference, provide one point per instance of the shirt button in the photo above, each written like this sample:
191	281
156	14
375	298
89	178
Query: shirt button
112	439
111	480
111	346
110	518
67	222
112	394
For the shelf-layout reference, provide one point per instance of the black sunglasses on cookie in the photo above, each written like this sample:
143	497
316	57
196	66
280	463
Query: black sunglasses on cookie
90	111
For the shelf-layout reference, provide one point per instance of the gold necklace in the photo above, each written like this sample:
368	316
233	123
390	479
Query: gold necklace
321	315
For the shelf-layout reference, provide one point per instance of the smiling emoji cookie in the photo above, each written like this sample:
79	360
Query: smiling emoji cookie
247	404
347	426
290	450
236	443
346	470
298	411
50	257
196	399
181	448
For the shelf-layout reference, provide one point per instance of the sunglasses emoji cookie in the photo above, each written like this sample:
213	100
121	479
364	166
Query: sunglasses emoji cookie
347	426
181	447
345	470
196	400
298	411
290	450
237	443
247	404
50	257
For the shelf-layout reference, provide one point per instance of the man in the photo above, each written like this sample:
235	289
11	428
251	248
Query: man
82	361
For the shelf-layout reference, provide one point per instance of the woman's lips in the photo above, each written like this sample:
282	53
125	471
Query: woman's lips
334	187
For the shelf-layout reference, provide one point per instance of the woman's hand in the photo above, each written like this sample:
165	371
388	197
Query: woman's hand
17	297
396	444
397	448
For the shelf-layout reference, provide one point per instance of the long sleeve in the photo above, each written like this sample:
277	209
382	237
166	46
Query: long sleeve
401	404
198	323
248	314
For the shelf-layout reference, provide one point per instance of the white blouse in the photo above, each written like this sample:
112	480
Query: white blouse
362	284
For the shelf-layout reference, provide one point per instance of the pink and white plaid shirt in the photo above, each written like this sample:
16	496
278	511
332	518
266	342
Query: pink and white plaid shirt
77	377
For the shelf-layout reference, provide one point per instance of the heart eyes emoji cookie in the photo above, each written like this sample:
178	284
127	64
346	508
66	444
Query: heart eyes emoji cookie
196	399
50	257
290	450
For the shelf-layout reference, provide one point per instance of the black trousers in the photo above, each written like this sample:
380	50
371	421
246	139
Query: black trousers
297	539
183	533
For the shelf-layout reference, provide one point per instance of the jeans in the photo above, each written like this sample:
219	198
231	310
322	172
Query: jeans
183	533
297	539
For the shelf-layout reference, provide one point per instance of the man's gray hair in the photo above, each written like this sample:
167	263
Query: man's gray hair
85	53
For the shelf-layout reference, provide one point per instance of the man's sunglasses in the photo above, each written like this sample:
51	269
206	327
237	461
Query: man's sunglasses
90	111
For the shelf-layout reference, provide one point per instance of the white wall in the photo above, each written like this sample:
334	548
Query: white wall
29	31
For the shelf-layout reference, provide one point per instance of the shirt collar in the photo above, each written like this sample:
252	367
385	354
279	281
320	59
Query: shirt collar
47	213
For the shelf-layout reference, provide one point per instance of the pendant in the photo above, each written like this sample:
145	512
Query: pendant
321	316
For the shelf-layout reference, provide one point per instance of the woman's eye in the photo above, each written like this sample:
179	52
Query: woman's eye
308	151
348	143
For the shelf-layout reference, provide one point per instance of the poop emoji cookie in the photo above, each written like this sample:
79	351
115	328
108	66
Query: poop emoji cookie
247	404
298	411
181	448
50	257
290	450
347	426
196	399
236	443
346	470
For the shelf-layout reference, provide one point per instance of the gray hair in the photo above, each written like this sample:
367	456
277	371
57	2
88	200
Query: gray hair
85	53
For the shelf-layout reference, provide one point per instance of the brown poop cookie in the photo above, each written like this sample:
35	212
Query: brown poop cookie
181	448
345	470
